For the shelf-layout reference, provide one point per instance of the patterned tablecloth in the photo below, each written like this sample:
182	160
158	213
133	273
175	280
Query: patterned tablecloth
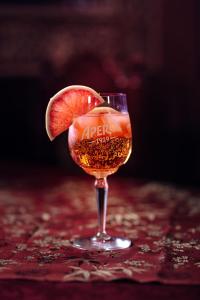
40	214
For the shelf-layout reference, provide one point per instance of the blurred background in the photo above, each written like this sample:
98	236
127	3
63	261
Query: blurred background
149	49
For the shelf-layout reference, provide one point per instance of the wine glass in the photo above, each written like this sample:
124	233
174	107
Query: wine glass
100	142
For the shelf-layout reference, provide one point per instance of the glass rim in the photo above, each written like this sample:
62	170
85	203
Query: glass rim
112	94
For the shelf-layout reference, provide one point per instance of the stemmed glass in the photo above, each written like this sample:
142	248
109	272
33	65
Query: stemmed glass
100	142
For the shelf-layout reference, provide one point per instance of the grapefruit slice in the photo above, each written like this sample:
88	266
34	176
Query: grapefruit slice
67	104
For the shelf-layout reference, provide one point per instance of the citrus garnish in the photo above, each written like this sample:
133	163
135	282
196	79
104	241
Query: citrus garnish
67	104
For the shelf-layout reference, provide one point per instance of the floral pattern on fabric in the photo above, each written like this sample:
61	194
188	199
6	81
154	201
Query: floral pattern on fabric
39	221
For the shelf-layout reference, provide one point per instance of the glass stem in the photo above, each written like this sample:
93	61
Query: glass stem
101	186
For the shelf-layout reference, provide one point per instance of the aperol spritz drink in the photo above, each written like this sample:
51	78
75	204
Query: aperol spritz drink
100	142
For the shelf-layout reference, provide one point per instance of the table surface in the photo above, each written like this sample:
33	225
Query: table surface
42	211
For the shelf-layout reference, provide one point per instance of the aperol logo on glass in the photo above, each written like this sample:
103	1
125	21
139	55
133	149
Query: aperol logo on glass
96	132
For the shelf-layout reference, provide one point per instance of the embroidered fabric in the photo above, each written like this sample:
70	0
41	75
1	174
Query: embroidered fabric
39	219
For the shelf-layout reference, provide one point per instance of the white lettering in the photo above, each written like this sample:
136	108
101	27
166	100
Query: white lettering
85	134
101	130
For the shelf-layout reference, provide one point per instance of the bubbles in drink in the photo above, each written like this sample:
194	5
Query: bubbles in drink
100	141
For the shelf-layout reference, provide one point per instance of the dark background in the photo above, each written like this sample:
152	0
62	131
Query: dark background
147	49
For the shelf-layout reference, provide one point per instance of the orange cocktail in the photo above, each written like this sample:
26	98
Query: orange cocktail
100	141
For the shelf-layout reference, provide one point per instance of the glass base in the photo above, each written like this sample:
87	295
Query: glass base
95	243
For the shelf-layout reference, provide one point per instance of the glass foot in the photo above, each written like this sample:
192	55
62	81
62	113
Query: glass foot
95	243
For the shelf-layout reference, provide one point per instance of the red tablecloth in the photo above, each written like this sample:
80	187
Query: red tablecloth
41	213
